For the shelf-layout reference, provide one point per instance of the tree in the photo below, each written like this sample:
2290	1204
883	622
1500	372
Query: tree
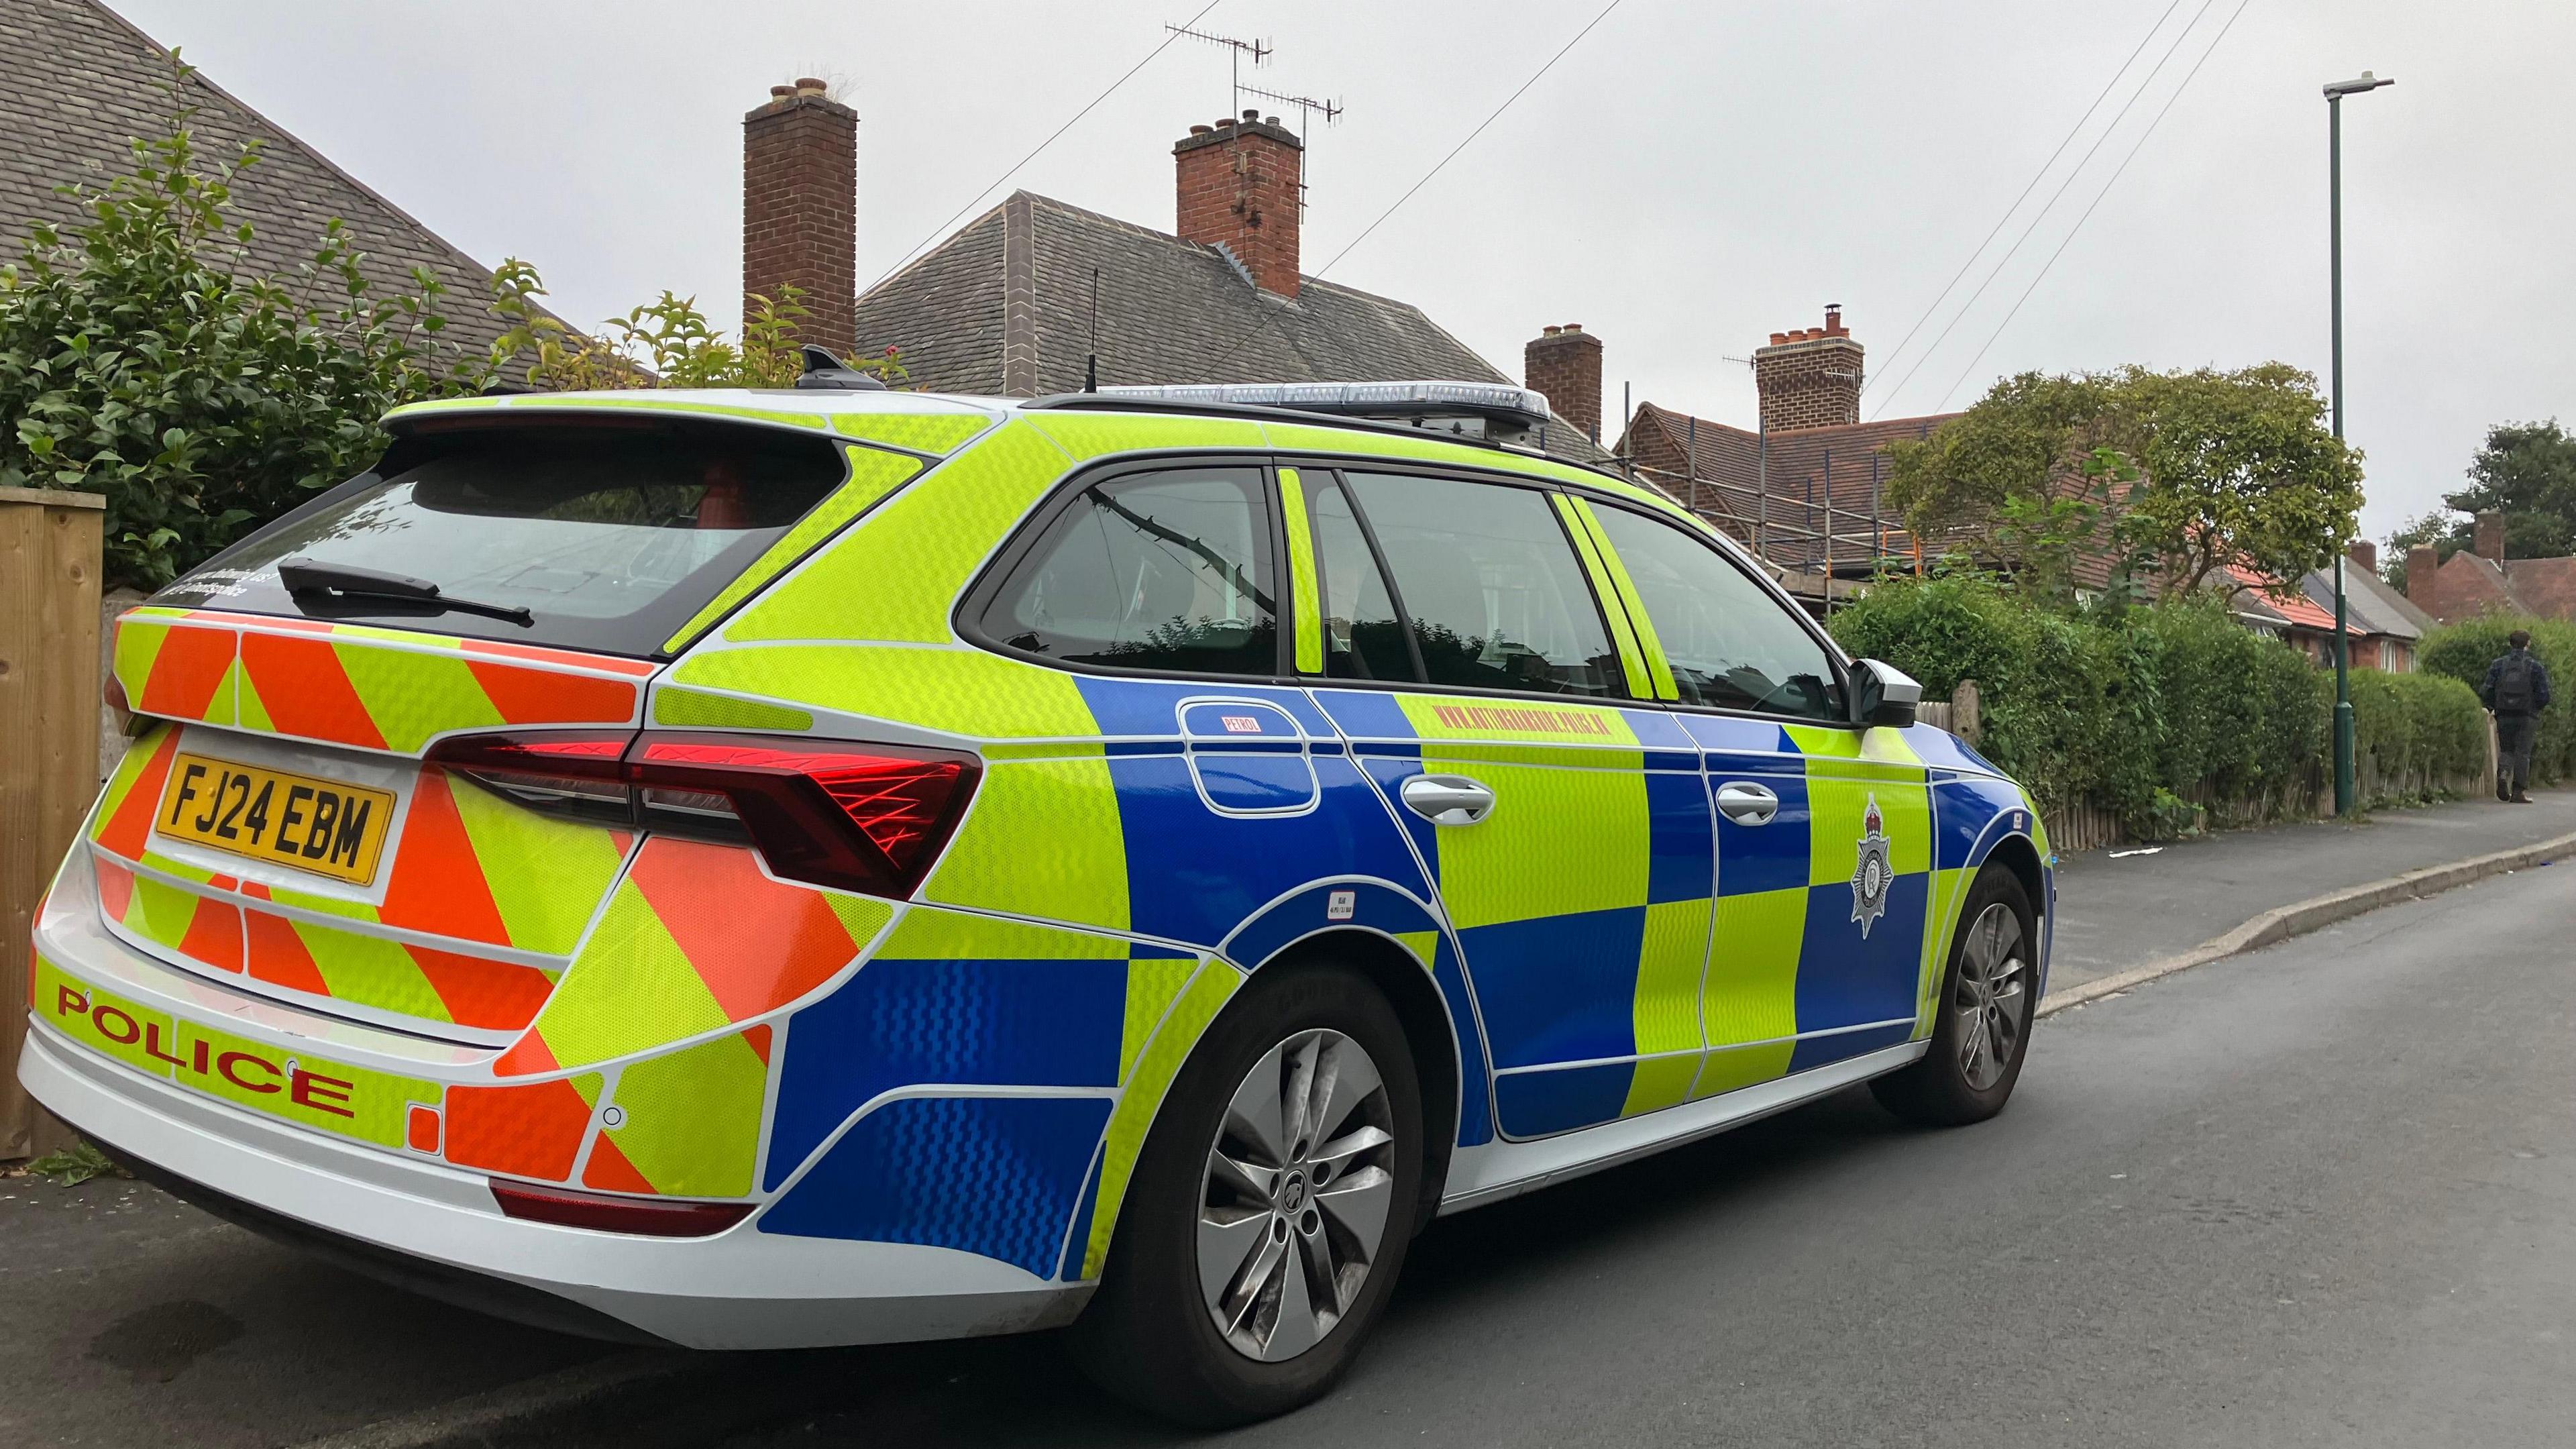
668	343
2525	472
142	358
2177	475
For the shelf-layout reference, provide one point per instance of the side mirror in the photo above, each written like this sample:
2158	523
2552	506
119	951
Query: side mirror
1883	694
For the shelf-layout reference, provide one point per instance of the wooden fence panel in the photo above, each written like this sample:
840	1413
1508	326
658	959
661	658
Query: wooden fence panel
49	691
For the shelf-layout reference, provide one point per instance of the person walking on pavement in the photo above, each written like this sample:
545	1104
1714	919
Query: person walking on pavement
2516	691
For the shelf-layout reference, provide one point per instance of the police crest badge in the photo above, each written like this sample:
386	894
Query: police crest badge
1871	874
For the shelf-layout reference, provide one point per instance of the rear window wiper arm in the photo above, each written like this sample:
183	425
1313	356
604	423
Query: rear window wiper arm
303	576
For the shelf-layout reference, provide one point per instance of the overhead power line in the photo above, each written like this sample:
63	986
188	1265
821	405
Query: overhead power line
1436	169
2097	200
2050	205
2033	185
1172	33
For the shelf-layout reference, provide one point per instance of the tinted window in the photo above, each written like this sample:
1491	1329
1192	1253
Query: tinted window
1730	643
610	537
1363	637
1165	571
1489	584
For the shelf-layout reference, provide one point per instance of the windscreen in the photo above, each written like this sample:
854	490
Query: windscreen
609	537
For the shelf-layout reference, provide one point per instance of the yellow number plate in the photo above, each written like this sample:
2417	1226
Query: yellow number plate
317	825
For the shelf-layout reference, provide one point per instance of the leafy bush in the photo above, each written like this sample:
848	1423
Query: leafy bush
2156	713
2463	651
142	360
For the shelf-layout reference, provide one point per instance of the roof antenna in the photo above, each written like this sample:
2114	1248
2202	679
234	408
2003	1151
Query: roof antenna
1091	364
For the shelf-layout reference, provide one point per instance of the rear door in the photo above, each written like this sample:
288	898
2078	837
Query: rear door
279	821
1464	651
1824	828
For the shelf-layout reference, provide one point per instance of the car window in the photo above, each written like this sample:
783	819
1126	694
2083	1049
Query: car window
1363	636
1162	571
1730	643
1489	585
609	536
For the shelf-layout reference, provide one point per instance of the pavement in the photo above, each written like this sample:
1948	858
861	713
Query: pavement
2122	907
2287	1129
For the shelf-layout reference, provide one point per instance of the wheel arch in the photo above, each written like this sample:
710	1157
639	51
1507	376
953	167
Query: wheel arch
1428	1034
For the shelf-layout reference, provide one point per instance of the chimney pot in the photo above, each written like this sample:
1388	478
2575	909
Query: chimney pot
1252	115
1550	330
1573	326
1779	339
1202	130
781	92
2490	537
1225	121
810	83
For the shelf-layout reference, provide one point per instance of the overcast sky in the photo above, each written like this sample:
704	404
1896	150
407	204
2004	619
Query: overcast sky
1690	178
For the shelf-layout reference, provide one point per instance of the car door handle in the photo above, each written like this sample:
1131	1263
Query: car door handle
1447	799
1746	803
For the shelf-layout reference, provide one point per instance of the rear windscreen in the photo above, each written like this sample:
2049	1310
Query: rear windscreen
611	537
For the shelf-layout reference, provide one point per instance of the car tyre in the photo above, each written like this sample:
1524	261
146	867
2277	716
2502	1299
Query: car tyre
1189	1321
1981	1030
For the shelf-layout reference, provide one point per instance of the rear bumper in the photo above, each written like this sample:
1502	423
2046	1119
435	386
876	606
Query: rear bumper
436	1228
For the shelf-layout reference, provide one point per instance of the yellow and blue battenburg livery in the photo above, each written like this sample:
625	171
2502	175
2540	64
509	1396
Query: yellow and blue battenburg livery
814	963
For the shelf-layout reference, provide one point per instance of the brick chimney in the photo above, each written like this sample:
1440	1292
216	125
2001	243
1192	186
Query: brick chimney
2490	537
1241	188
1565	363
2364	554
1809	378
2423	567
800	223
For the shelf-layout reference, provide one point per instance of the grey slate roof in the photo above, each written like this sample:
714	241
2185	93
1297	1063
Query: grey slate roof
1004	307
2368	602
82	82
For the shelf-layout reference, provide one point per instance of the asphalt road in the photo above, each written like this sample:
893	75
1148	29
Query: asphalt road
2325	1193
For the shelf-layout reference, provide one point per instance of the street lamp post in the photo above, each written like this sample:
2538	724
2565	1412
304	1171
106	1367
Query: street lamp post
2343	739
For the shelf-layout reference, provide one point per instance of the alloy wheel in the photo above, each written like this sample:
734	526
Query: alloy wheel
1300	1184
1994	977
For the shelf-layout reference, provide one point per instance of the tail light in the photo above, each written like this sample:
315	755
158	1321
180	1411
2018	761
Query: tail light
660	1218
855	817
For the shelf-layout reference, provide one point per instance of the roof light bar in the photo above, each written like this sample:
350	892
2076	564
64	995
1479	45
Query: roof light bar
1433	404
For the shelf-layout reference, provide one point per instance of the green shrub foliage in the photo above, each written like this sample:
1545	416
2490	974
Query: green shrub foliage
2463	651
2138	710
140	358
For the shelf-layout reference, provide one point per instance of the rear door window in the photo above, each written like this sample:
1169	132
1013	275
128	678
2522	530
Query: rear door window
610	537
1489	584
1167	571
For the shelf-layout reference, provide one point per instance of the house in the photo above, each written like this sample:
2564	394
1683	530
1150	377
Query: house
2262	604
2480	578
83	83
2388	628
1038	296
1806	488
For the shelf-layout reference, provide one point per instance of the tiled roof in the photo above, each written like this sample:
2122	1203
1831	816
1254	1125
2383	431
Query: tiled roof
1004	307
83	82
1844	467
2290	605
2369	604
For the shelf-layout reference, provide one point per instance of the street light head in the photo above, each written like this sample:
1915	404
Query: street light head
2337	90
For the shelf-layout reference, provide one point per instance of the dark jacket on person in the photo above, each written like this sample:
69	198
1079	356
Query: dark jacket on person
2539	681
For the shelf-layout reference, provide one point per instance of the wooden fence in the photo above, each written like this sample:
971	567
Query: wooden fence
49	694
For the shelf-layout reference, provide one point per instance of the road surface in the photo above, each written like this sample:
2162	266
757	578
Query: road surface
2324	1193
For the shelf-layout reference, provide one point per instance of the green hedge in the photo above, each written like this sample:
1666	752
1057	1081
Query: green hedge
2463	651
2134	711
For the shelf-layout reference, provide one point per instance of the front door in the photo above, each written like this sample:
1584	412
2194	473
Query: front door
1823	829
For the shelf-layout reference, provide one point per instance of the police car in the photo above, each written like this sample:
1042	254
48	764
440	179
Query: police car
827	866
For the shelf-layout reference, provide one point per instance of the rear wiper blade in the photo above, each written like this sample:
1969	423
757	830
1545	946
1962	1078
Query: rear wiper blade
303	577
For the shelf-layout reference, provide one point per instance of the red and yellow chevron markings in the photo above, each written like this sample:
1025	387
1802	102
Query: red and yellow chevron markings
349	684
697	938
